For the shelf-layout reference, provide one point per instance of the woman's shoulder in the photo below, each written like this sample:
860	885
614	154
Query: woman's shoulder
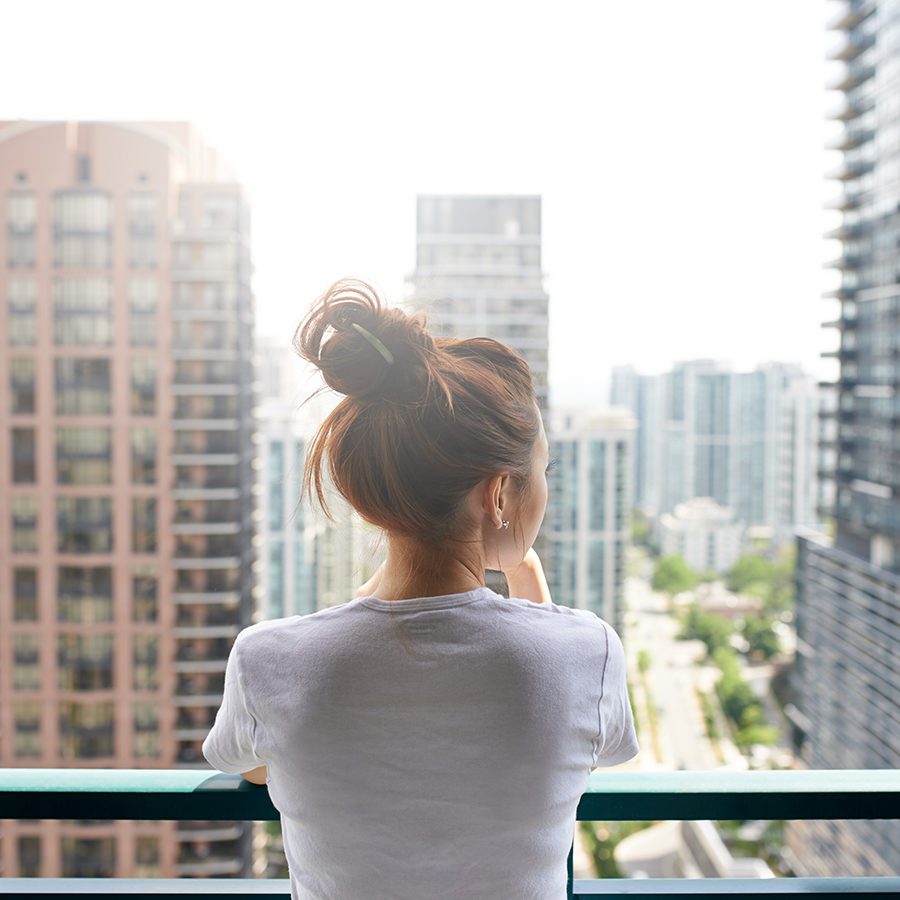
286	624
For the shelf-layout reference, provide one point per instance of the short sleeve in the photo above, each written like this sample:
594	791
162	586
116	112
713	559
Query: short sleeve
616	741
230	745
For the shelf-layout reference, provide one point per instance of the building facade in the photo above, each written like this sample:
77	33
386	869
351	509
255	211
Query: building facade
846	682
745	439
588	521
127	564
704	534
478	273
310	562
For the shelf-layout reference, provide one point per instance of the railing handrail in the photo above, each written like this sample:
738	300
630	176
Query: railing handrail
36	793
632	888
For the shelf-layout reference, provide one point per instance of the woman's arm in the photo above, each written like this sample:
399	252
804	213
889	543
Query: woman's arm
257	775
369	588
527	580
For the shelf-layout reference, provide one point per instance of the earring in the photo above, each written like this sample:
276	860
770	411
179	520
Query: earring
505	524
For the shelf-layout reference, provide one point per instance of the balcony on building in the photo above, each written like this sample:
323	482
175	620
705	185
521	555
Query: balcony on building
850	169
852	45
850	138
853	75
850	14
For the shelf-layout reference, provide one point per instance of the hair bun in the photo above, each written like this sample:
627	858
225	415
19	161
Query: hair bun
351	362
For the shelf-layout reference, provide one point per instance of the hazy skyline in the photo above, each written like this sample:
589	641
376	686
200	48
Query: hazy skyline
678	148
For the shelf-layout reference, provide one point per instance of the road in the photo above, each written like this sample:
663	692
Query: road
683	742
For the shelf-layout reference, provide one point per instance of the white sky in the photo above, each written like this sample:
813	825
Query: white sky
678	147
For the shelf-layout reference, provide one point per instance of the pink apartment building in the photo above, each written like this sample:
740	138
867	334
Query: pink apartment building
127	563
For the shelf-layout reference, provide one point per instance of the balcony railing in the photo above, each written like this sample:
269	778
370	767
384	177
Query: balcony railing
617	796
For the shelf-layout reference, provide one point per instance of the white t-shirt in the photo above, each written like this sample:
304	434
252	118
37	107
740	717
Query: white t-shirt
430	747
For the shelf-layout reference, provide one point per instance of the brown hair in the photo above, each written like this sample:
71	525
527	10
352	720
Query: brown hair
412	437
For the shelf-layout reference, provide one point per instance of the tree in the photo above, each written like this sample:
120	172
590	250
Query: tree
779	597
761	637
643	661
640	528
749	571
673	575
756	734
715	631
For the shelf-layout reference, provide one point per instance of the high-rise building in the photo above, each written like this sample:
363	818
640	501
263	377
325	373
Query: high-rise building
846	682
745	439
643	395
310	562
126	428
478	273
588	522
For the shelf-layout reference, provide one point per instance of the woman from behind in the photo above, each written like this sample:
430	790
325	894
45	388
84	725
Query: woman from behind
429	737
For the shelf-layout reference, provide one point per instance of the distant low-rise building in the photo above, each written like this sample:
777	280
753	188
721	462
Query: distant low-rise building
705	534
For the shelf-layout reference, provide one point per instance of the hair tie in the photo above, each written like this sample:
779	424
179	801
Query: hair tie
375	343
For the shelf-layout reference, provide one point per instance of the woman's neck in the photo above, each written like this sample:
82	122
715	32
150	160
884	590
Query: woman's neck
412	571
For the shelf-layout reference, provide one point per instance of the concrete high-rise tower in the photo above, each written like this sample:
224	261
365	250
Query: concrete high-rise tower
588	524
846	682
478	273
126	478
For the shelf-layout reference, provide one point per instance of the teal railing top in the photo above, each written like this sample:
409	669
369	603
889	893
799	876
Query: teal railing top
184	794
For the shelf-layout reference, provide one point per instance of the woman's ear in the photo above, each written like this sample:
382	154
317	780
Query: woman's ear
494	498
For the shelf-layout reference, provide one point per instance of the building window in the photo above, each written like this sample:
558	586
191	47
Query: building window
21	378
143	456
21	228
146	857
84	594
275	475
85	662
145	666
26	662
82	229
622	502
84	169
297	513
82	311
220	213
20	294
143	524
29	856
88	857
144	589
142	299
304	601
143	386
23	456
83	456
27	719
84	524
146	730
276	579
597	574
82	386
24	524
142	229
25	595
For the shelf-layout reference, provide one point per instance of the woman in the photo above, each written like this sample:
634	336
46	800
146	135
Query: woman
430	737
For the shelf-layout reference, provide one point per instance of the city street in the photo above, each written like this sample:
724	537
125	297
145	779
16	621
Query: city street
671	680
